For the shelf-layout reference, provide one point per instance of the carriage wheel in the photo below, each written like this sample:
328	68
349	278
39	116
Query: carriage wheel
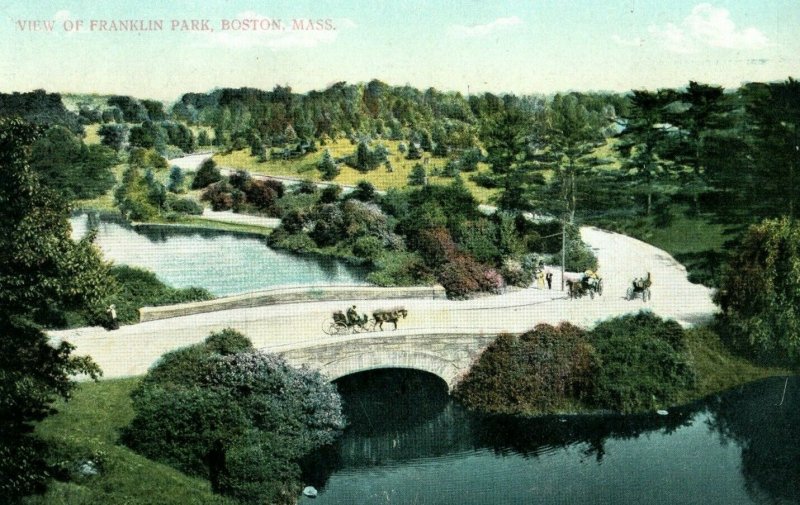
646	295
329	327
591	294
629	295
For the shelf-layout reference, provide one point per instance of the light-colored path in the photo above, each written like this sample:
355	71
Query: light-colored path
190	162
132	349
228	216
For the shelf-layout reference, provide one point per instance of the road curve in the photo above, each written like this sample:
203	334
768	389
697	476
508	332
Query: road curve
132	349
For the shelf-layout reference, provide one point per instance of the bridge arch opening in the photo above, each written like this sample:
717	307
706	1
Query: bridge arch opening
386	399
385	358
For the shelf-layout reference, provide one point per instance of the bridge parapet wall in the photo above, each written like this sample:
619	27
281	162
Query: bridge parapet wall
289	295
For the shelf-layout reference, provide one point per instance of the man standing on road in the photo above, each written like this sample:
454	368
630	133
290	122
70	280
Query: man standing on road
113	324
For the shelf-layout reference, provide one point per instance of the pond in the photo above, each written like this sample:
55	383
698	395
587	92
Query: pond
222	262
408	443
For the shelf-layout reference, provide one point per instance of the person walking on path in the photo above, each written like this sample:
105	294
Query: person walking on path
549	277
113	324
540	278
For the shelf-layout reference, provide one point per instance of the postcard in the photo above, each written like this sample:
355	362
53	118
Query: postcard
532	251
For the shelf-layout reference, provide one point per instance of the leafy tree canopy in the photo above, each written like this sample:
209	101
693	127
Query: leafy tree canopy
41	270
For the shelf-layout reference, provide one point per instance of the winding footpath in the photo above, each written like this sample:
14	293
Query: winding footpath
132	349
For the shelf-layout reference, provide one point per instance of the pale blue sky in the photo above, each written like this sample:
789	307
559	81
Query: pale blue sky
538	46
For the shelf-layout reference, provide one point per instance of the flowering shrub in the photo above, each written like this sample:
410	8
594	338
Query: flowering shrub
461	276
515	274
238	416
493	281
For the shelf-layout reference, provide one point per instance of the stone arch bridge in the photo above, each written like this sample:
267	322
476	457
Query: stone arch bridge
448	355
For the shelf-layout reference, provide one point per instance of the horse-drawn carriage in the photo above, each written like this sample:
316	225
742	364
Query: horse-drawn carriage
352	322
640	288
582	284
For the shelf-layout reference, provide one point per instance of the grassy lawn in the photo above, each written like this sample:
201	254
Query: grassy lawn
87	427
208	224
92	137
718	369
306	168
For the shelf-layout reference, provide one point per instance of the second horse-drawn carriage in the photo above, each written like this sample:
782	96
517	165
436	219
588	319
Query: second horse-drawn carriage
351	322
640	287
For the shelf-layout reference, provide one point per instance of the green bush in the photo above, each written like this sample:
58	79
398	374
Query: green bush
207	174
140	288
642	363
184	205
227	342
237	416
760	293
368	247
298	242
400	268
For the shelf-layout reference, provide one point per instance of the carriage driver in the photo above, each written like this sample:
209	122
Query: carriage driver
352	316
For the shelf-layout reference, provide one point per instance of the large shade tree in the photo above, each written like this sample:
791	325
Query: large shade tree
42	270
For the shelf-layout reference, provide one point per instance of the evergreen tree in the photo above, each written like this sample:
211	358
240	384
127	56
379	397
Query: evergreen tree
643	141
414	152
417	177
207	174
176	180
328	167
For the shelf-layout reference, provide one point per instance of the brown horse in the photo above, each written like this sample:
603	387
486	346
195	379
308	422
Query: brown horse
389	316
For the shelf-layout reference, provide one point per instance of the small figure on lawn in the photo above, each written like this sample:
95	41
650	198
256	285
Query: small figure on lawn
549	277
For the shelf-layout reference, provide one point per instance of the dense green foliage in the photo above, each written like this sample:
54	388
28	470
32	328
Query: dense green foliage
642	363
328	167
41	271
39	108
239	417
64	163
539	371
632	363
760	293
207	174
140	288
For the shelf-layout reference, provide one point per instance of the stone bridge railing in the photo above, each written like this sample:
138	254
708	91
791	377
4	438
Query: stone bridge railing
297	294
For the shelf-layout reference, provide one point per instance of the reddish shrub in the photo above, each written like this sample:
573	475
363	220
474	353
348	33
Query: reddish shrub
543	370
436	246
219	195
262	195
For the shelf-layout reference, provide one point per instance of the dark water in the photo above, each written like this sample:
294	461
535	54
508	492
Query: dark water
222	262
409	444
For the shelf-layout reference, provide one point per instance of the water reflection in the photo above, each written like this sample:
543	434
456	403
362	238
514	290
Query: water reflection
768	433
417	446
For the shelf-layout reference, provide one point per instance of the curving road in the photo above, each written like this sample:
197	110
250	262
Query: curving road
132	349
